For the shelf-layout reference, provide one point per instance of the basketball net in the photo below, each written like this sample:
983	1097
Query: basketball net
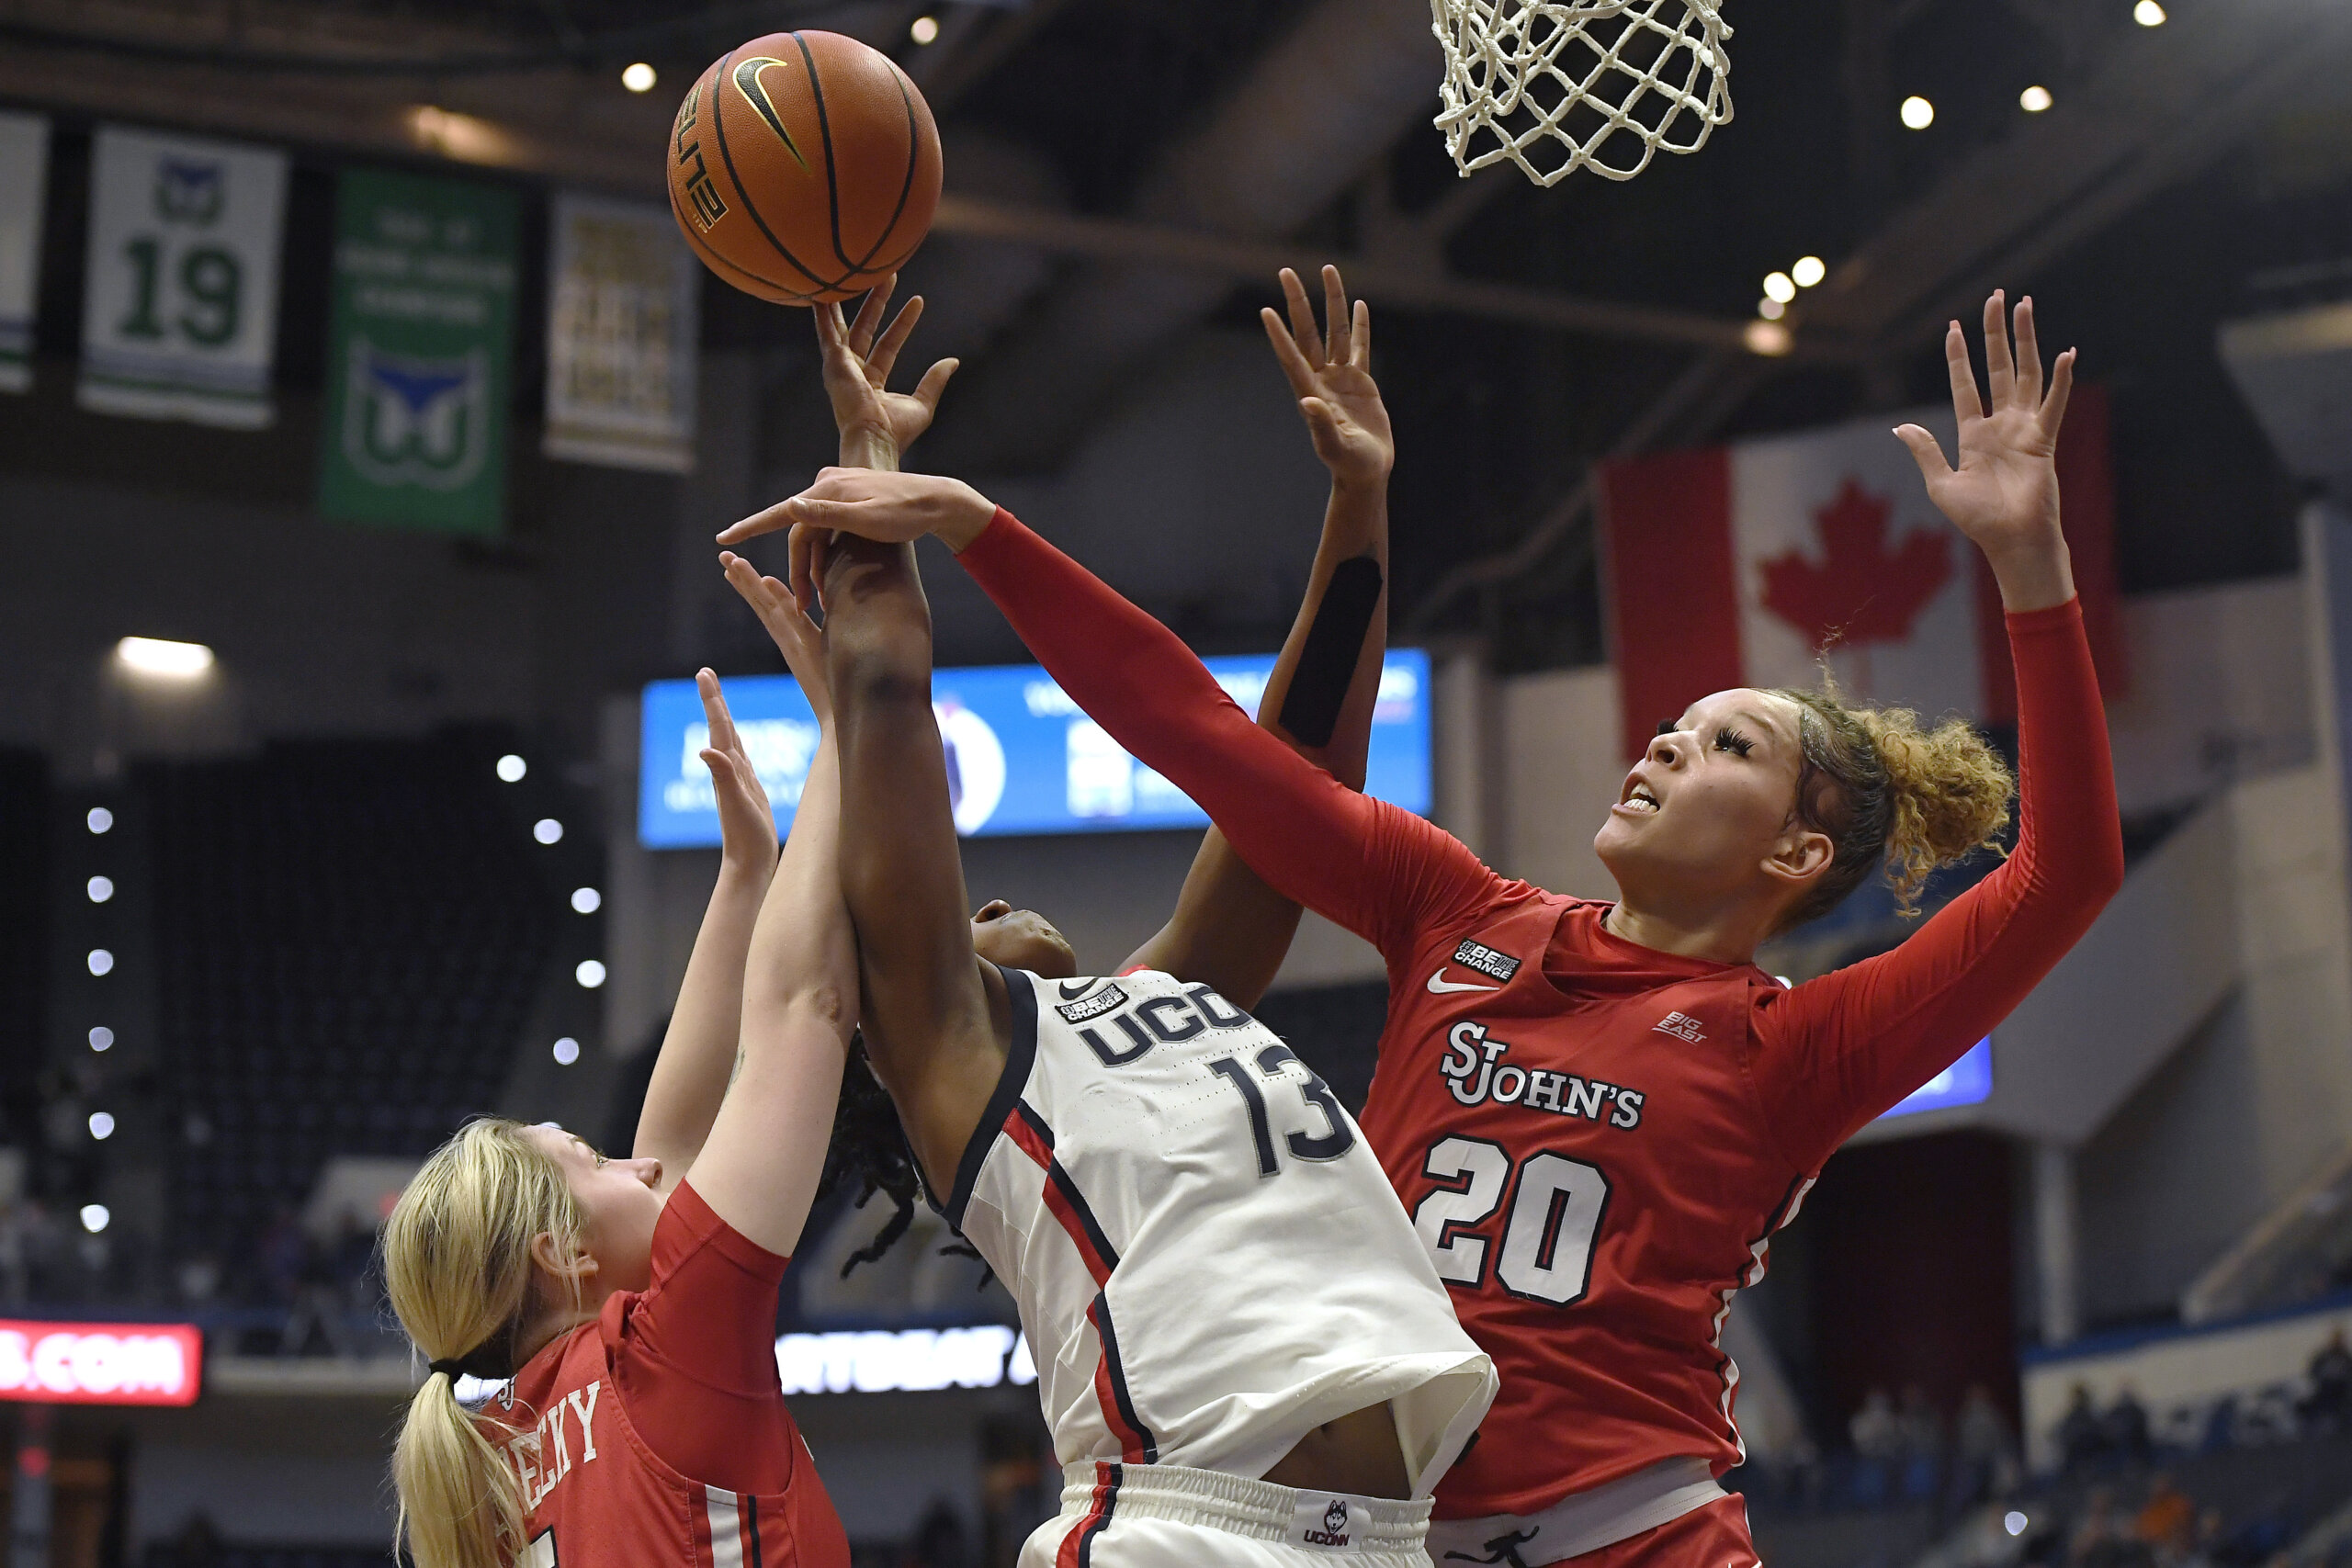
1552	85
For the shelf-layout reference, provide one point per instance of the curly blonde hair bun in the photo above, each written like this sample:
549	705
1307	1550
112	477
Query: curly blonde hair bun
1888	790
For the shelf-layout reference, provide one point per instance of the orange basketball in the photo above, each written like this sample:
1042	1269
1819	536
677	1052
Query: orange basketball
804	166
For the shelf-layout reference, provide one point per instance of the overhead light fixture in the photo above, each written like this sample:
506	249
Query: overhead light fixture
161	657
95	1217
638	77
586	900
1780	285
2034	99
100	961
1770	339
101	1038
1918	113
2148	13
463	136
566	1050
100	889
512	768
100	819
1809	271
925	29
1771	309
102	1125
591	973
548	830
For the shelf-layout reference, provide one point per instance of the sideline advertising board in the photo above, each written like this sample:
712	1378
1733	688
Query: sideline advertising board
1021	756
100	1363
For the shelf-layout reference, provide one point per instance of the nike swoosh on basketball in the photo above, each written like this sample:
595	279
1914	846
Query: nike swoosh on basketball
1071	996
1440	985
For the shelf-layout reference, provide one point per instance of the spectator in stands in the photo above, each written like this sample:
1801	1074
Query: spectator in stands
2082	1436
2327	1408
939	1539
1920	1428
1876	1430
2167	1520
2127	1427
1984	1454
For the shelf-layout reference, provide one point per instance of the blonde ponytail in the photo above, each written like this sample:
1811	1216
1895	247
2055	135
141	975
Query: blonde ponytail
1887	790
458	1268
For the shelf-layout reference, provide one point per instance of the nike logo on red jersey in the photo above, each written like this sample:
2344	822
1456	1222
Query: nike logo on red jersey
1440	985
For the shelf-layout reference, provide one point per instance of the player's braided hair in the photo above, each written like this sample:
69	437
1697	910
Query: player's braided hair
870	1154
1886	789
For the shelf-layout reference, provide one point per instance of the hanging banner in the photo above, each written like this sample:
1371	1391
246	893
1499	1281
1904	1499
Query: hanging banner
420	354
622	292
23	180
179	313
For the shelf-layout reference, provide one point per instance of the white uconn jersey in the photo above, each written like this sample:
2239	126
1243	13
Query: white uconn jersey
1209	1261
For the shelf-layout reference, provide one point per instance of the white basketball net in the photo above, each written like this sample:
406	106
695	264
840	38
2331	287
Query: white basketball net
1550	87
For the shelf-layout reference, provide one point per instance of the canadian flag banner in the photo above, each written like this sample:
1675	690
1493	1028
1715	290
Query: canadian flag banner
1753	564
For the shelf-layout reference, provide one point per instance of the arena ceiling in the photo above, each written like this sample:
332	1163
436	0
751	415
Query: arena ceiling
1123	172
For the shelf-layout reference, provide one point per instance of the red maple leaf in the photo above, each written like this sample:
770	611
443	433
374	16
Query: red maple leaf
1860	592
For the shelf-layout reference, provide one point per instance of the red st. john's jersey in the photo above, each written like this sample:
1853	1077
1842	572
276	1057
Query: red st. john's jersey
1595	1139
658	1434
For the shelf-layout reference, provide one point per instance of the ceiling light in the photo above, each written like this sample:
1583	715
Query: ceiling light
638	77
1770	339
2148	13
1918	113
2034	99
1770	309
102	1125
512	768
546	831
100	819
101	1038
159	656
2015	1522
566	1050
590	973
1809	271
925	29
101	889
101	962
1780	285
95	1217
586	900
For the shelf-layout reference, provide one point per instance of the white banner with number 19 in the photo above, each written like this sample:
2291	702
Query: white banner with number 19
180	296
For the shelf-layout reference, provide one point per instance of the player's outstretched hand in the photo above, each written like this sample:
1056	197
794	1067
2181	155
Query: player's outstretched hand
746	824
2004	494
872	503
857	366
796	637
1329	372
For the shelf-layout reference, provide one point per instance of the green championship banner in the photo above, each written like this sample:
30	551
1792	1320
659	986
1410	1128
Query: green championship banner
179	295
24	172
420	368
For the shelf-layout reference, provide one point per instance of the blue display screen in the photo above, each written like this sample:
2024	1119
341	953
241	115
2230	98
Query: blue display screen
1021	756
1968	1081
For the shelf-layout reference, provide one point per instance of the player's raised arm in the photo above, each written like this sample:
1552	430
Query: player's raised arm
1229	928
698	1049
934	1029
758	1169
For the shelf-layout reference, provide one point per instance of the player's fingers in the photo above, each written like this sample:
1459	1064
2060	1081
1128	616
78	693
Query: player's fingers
2029	368
800	571
721	766
829	331
767	520
934	382
886	353
1999	373
1924	452
1360	337
713	709
1335	317
2061	384
1296	370
1964	400
1301	318
870	315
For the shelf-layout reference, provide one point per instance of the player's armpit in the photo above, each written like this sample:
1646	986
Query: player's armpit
934	1034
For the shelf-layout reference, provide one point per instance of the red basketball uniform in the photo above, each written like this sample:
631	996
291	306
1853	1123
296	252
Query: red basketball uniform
658	1433
1595	1139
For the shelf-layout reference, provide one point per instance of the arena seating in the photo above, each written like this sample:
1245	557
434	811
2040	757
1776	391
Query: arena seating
352	934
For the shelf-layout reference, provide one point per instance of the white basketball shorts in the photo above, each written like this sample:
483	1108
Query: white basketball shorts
1162	1516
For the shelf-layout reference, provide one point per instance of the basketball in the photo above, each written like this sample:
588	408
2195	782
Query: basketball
804	166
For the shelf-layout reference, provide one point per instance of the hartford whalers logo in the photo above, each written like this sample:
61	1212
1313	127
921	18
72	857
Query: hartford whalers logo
409	421
189	192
